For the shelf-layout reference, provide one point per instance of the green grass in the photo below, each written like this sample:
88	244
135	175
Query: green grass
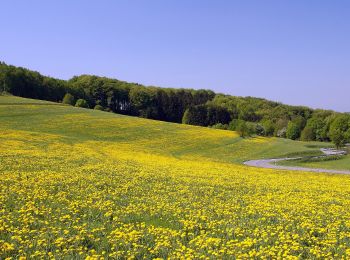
183	141
13	100
336	163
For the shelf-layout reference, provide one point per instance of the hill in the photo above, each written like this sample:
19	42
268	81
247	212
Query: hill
248	115
80	183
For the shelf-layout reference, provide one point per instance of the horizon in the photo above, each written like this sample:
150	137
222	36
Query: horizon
165	87
295	53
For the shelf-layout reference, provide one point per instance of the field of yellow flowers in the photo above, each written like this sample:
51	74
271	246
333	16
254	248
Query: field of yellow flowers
78	183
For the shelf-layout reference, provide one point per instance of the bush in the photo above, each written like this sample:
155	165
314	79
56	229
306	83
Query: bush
98	107
339	130
220	126
282	132
307	134
337	137
233	124
293	131
269	128
252	127
243	129
68	99
5	93
259	130
82	103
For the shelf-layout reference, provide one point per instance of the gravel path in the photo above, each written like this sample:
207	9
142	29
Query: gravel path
271	163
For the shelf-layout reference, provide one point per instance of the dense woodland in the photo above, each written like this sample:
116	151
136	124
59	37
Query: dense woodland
247	115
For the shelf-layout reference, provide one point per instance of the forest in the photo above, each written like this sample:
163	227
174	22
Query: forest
246	115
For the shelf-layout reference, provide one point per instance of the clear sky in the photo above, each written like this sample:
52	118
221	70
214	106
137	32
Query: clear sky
296	51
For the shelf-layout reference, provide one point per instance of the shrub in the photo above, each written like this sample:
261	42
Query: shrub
307	134
233	124
82	103
259	130
98	107
293	131
220	126
68	99
282	132
5	93
337	137
243	129
339	130
269	128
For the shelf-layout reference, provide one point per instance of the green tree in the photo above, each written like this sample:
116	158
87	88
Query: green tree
339	130
269	127
145	101
338	138
197	115
259	130
216	114
307	134
347	135
82	103
233	124
293	131
98	107
243	129
68	99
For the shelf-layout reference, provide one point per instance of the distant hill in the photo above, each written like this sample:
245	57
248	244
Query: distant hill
248	115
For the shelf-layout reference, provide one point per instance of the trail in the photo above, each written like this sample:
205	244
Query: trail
271	163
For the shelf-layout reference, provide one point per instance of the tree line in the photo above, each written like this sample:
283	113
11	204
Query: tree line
247	115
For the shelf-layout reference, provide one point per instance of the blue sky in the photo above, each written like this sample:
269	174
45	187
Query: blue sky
296	52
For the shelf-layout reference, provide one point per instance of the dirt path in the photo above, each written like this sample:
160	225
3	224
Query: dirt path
271	163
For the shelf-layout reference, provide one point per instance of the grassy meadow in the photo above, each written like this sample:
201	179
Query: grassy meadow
78	183
343	163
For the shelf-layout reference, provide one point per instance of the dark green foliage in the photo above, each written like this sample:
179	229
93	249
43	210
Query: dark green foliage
25	83
197	115
269	127
252	127
339	130
144	101
220	126
317	128
233	124
82	103
68	99
216	114
206	115
259	130
347	136
307	134
337	138
98	107
243	129
293	131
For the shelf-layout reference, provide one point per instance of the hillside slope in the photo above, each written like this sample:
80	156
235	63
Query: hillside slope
75	125
194	107
78	183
